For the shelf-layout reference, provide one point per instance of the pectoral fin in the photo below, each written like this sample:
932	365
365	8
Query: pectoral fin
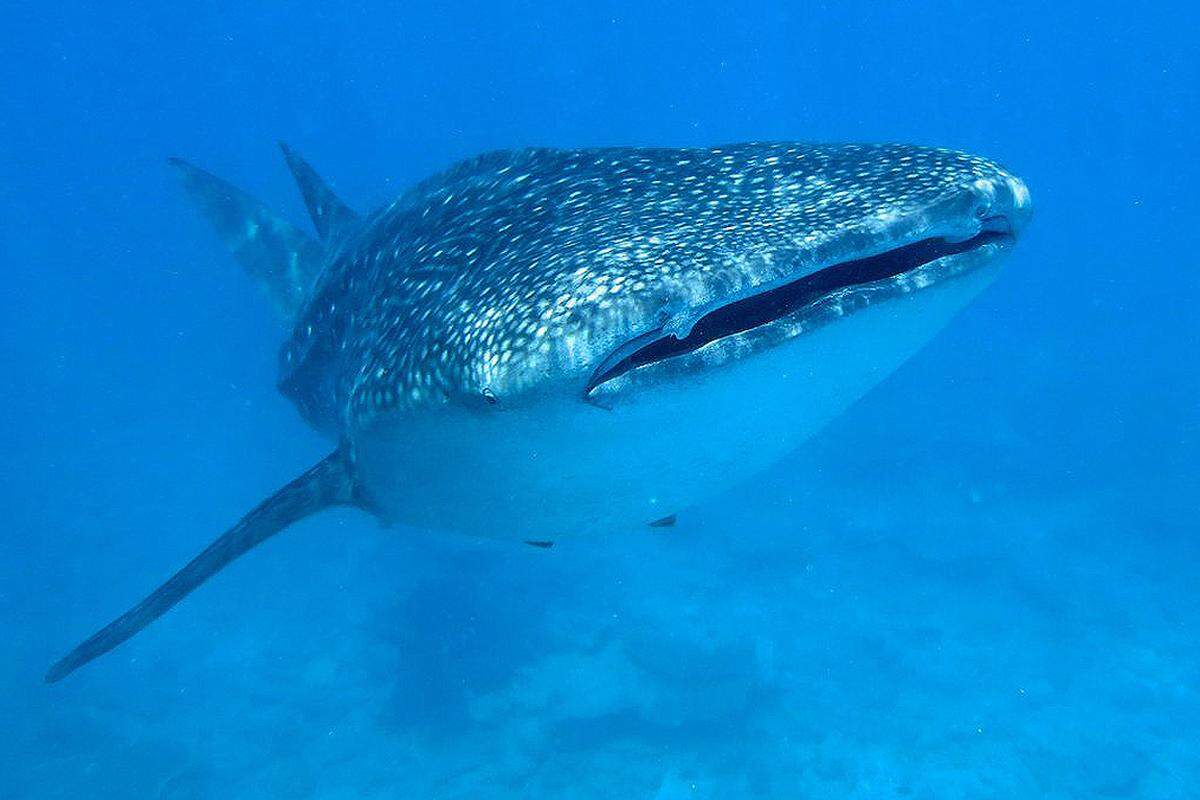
326	484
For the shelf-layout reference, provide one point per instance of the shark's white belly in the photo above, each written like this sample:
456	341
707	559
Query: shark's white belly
564	467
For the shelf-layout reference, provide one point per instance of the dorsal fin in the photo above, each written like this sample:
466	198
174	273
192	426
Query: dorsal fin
330	216
282	258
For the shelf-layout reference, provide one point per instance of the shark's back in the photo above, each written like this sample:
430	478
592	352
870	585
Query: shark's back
482	264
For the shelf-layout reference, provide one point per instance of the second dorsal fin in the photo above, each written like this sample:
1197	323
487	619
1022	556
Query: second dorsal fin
331	217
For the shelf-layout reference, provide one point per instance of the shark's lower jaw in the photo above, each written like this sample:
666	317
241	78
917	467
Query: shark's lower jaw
813	300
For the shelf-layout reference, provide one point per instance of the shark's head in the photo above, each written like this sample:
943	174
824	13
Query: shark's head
824	233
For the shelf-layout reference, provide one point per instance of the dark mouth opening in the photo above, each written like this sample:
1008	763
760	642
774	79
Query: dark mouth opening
773	304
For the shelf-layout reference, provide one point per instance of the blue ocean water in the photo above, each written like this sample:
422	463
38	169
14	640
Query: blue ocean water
979	582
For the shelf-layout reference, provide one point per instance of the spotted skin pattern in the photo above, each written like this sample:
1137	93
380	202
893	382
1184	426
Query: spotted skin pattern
519	270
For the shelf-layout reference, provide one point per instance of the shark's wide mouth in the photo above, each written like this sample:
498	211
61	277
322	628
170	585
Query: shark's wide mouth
771	305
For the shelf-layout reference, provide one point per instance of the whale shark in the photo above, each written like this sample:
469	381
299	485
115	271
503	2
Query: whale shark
544	343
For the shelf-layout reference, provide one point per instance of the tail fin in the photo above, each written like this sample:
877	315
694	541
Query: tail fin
282	258
330	216
327	484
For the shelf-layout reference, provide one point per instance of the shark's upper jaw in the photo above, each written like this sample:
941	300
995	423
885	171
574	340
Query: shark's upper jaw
1000	210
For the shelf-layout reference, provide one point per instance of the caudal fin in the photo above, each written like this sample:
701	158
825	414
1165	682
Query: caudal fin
282	258
326	484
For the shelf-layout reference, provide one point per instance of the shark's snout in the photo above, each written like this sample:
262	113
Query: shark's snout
1003	204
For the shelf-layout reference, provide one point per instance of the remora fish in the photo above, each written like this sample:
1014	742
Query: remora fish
543	343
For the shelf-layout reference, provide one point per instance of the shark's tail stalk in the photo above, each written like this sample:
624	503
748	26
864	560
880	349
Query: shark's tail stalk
326	484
